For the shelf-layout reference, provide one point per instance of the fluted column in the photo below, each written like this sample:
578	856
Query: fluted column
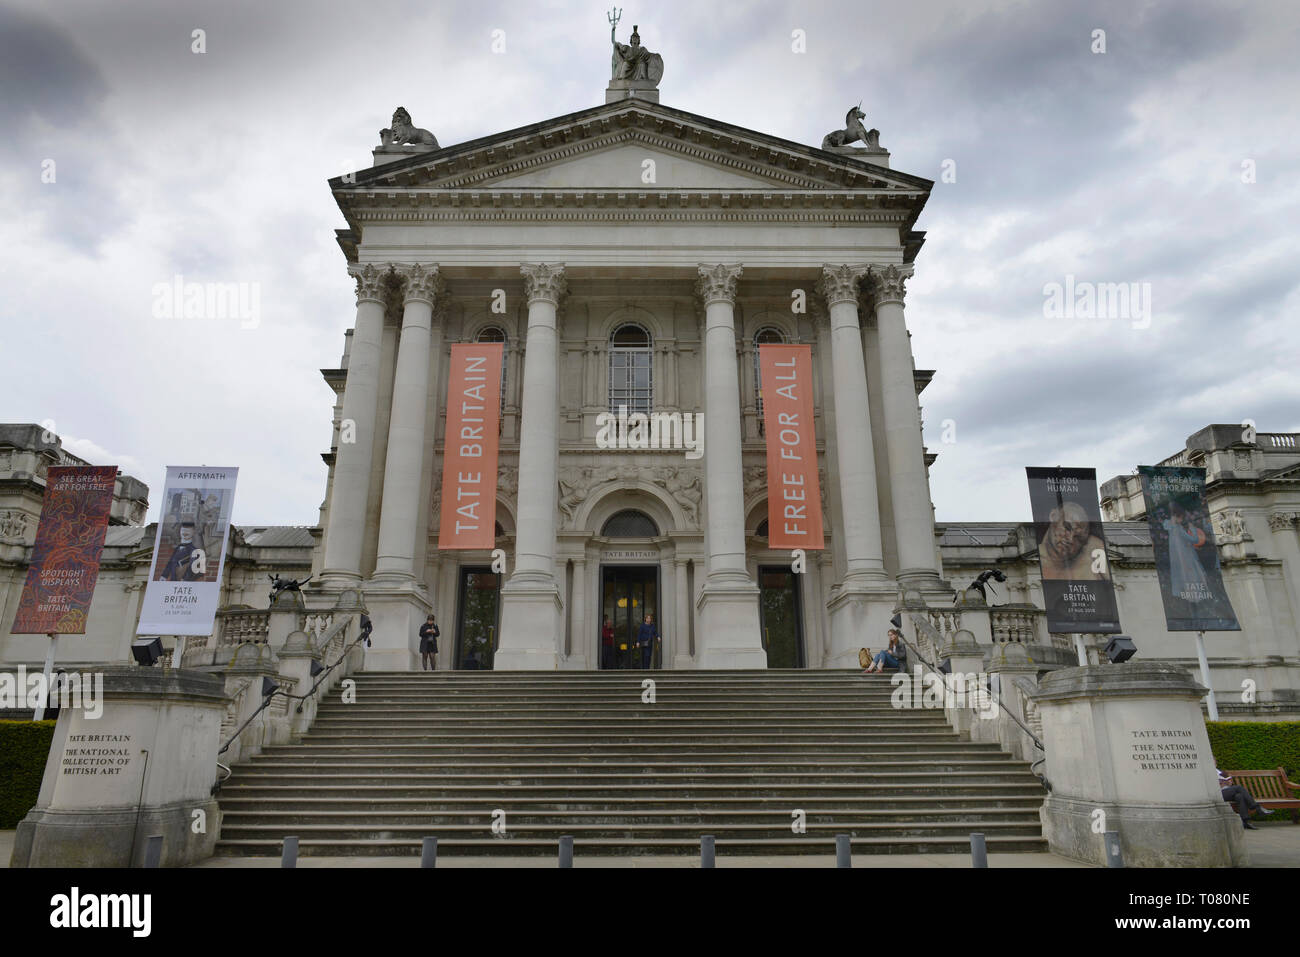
863	552
531	599
354	459
860	604
407	428
909	486
729	622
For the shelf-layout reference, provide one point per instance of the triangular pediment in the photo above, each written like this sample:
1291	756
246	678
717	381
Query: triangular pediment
606	147
633	164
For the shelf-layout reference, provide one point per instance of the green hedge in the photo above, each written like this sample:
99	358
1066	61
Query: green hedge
24	746
1256	745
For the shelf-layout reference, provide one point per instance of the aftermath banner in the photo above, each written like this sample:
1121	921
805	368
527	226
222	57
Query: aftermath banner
1187	561
69	543
469	463
794	500
184	587
1077	589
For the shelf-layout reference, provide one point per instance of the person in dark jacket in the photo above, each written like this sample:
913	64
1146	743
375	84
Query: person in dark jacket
607	644
646	636
429	644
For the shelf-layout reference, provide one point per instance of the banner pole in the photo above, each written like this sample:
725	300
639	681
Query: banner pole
1205	675
49	671
1081	650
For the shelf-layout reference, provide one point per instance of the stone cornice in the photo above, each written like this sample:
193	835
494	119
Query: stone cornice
572	204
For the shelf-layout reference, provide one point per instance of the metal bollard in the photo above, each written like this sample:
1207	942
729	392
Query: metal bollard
1114	856
706	850
153	851
289	857
429	852
566	851
843	851
978	851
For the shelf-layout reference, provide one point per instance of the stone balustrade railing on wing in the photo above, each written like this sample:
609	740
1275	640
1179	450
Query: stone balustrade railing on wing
1023	624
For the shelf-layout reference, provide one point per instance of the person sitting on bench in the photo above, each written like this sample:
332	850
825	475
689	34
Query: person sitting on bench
1239	796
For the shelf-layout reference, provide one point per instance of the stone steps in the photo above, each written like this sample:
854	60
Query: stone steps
581	754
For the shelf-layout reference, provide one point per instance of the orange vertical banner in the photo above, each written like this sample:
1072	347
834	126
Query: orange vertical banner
469	462
794	502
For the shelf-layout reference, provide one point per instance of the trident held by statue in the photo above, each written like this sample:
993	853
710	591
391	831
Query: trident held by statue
614	16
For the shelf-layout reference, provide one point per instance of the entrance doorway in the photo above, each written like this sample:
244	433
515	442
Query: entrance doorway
781	617
477	608
628	594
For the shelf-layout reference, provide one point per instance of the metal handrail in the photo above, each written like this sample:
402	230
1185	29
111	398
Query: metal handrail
301	698
996	700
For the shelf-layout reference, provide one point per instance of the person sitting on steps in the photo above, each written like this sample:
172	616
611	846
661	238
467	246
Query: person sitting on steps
890	657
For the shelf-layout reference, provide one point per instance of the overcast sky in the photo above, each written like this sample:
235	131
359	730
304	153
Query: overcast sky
1128	166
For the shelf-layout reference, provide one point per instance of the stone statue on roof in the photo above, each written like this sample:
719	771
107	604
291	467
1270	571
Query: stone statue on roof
632	61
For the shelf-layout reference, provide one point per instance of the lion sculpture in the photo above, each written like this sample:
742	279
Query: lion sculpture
404	132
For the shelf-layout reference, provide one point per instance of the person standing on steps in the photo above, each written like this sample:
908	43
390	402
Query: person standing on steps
646	636
607	644
429	645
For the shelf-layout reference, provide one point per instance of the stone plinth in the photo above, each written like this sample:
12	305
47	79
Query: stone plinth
632	89
146	766
1129	741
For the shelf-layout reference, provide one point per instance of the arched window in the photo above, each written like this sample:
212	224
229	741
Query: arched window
630	523
766	335
631	369
761	531
494	334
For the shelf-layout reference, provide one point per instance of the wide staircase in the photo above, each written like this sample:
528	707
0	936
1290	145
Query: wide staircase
731	754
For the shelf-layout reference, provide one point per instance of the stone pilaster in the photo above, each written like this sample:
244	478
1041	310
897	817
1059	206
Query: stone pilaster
530	609
345	531
729	621
908	483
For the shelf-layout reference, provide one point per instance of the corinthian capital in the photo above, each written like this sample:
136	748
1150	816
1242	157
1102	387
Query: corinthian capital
888	282
1281	521
544	282
718	283
424	283
841	283
371	281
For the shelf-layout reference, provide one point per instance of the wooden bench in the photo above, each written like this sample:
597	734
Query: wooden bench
1271	789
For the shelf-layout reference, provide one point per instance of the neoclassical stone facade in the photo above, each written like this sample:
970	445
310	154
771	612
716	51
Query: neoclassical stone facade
631	255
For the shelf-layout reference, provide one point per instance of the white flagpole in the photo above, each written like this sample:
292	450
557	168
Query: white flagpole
49	671
1205	675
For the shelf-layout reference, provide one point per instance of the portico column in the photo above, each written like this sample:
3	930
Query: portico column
352	467
908	484
407	429
860	604
530	600
729	623
682	617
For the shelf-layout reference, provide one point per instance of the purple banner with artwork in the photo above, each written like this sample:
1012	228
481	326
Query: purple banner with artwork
1187	560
